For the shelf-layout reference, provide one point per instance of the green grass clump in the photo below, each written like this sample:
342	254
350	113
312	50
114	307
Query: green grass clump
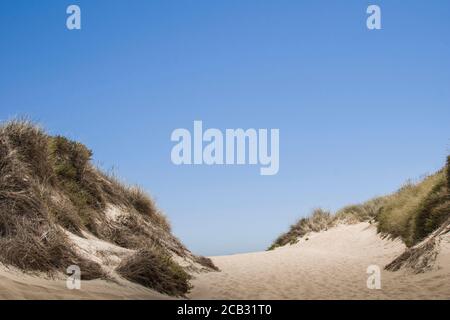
78	180
416	210
434	210
71	163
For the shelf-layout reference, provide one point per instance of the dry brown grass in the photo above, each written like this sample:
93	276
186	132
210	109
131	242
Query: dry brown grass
29	143
411	213
361	212
48	184
28	238
153	268
206	262
319	220
421	257
145	205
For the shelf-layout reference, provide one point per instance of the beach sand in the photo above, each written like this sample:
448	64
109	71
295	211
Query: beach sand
327	265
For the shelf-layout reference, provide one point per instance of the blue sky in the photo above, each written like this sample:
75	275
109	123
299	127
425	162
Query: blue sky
359	111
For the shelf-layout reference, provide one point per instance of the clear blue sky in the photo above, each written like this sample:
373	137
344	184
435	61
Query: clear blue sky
359	111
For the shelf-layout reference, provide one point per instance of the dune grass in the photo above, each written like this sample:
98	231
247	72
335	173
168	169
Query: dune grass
28	238
416	210
155	269
319	220
48	186
411	213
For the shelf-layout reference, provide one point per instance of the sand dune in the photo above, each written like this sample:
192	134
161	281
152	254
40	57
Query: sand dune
327	265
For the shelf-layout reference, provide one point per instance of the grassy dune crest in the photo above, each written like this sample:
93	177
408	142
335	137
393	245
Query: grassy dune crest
411	213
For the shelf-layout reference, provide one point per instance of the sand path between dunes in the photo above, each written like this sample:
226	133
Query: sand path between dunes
329	265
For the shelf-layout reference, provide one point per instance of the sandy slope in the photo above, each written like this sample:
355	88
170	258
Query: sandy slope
329	265
16	285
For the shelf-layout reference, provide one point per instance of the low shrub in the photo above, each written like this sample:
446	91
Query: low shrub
155	269
206	262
